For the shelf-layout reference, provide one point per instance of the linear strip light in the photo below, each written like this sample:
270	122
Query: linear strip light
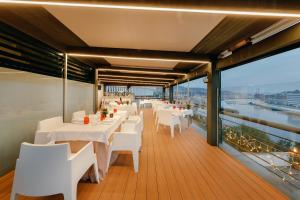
133	81
137	58
142	71
136	77
152	8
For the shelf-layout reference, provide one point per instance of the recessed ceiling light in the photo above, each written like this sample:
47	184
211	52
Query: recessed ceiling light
154	8
136	77
132	81
138	58
141	71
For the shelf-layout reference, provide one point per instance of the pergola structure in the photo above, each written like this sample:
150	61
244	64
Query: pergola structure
158	43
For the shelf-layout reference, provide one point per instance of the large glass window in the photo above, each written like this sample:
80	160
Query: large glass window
147	92
194	93
261	113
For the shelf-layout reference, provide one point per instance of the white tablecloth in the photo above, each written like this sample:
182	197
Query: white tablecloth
99	132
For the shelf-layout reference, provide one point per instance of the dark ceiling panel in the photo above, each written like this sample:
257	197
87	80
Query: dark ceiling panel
40	24
185	66
230	31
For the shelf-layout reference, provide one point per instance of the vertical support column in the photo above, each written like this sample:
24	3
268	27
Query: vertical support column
171	94
96	106
128	88
104	88
213	104
188	90
164	93
177	92
65	85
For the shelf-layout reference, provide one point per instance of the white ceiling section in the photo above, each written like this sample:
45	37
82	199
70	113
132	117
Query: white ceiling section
136	29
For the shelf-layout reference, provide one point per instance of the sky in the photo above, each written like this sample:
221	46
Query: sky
270	75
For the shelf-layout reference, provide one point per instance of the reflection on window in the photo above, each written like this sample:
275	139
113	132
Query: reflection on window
261	113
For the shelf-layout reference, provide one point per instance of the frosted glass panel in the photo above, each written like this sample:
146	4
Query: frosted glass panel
79	97
25	99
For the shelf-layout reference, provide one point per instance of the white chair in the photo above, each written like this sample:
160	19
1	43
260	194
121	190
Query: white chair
42	134
43	170
78	116
141	103
126	140
158	107
137	118
166	117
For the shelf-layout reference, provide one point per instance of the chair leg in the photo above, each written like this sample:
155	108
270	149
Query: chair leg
108	159
135	156
179	128
157	126
71	194
96	171
14	196
172	131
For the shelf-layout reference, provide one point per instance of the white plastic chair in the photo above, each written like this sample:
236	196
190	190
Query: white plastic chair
165	117
137	118
126	140
42	134
43	170
134	107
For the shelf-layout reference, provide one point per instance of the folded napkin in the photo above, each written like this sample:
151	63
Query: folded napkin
77	121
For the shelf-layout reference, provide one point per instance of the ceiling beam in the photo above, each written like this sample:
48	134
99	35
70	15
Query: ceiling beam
137	54
134	81
136	77
144	70
112	82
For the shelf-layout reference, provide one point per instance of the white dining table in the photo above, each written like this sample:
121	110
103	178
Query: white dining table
99	133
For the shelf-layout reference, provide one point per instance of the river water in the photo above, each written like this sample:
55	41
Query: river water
268	115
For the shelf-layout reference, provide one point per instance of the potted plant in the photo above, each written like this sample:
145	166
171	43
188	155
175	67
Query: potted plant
104	112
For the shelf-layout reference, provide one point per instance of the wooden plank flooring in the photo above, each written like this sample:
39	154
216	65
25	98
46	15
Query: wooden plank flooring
185	167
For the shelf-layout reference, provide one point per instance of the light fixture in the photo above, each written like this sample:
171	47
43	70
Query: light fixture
133	81
154	8
137	58
135	77
225	54
274	29
141	71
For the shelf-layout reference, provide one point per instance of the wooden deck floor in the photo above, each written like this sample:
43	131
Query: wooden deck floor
181	168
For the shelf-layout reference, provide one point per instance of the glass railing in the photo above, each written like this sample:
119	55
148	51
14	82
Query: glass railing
271	145
199	117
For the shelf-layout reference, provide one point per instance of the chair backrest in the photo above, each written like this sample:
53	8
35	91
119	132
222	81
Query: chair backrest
165	116
41	169
50	124
129	127
142	115
78	115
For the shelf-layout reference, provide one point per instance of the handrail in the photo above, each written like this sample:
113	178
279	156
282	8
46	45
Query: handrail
263	122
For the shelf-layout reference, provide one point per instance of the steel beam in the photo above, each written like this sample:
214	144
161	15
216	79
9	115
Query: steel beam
103	52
